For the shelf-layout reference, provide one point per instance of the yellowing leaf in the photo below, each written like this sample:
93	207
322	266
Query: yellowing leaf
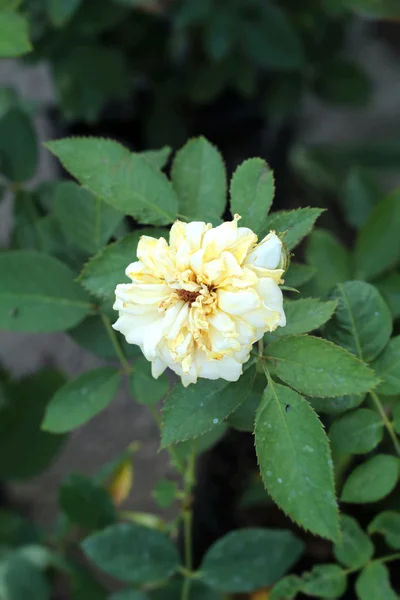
121	482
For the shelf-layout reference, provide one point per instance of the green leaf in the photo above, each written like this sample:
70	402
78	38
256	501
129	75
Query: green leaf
316	367
128	595
38	293
330	258
20	579
173	590
387	368
269	555
132	553
157	158
15	530
14	35
92	335
373	582
86	503
25	450
299	274
86	221
84	586
18	144
219	33
388	524
126	181
145	389
202	443
61	11
360	194
343	82
396	417
362	322
286	589
389	287
270	40
199	178
374	8
165	492
305	315
252	192
325	581
371	481
103	272
372	259
295	462
244	416
81	399
356	432
189	412
296	224
355	548
336	406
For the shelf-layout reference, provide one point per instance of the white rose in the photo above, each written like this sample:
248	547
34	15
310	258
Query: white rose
198	304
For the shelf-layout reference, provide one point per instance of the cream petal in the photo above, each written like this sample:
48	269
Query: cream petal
195	232
239	302
227	368
267	254
157	367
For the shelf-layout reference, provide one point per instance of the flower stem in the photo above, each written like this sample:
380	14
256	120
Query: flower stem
386	421
114	340
189	481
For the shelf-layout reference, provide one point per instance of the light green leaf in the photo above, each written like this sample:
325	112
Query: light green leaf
305	315
295	462
336	406
157	158
295	223
330	258
103	272
14	35
387	368
126	181
269	555
86	503
298	274
286	589
38	293
357	432
372	259
388	524
20	431
81	399
355	548
373	582
189	412
325	581
362	322
252	192
146	389
132	553
165	492
199	178
20	579
371	481
389	287
18	145
360	194
61	11
86	221
316	367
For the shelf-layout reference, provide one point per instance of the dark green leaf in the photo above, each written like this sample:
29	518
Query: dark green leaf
269	555
389	287
18	145
286	589
295	462
355	548
252	192
132	553
189	412
86	221
373	582
14	34
92	335
199	178
362	322
202	443
146	389
81	399
330	258
15	530
372	259
243	418
86	503
128	595
316	367
38	293
296	224
219	33
173	591
126	181
305	315
336	406
343	82
20	579
61	11
165	492
298	274
371	481
356	432
325	581
388	524
360	194
387	368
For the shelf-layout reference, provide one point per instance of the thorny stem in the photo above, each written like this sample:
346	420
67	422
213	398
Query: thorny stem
386	421
189	481
114	340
